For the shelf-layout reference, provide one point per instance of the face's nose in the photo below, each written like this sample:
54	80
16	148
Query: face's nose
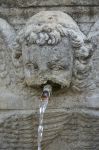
43	67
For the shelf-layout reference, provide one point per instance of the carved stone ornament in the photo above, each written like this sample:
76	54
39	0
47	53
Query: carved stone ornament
49	49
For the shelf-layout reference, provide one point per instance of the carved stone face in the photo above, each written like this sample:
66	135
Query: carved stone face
48	63
54	51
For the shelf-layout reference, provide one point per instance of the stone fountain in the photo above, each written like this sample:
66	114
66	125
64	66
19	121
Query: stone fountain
48	49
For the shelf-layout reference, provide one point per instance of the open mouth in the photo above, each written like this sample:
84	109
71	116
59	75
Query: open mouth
55	86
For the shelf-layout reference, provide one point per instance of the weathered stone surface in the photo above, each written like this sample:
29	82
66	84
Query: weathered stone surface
79	13
84	127
94	35
75	128
84	16
25	3
72	119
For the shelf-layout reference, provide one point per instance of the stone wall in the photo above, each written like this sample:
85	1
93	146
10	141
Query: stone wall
72	119
84	12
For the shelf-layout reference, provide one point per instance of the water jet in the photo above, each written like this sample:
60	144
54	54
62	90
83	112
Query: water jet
47	90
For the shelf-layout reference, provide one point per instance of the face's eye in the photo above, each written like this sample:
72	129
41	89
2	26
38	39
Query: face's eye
35	66
50	65
61	67
57	66
32	66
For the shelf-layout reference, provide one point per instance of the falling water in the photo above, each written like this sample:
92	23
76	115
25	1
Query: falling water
43	105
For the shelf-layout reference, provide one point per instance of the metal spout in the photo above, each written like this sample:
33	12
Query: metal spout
47	90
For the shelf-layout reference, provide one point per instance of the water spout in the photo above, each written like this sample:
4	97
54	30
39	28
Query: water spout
43	105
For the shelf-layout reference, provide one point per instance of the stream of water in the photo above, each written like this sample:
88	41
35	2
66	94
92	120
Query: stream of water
42	108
